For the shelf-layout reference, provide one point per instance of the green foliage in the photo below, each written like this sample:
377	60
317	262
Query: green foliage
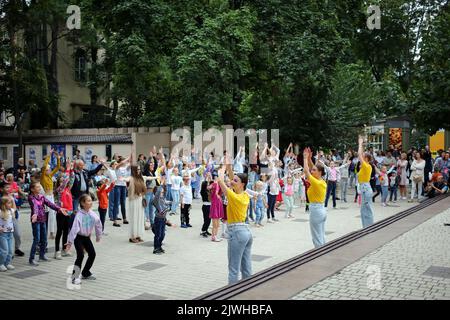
431	90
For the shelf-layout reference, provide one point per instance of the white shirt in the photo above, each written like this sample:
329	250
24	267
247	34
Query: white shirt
169	176
176	182
121	173
111	174
274	183
186	194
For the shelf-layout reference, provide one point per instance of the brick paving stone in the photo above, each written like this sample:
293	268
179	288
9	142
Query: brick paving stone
413	266
202	263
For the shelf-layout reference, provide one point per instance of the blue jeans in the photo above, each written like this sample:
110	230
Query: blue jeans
17	236
169	192
344	186
258	214
251	205
393	193
120	196
352	179
289	200
239	252
317	218
6	248
39	237
111	204
159	229
175	200
366	204
331	190
150	210
75	204
384	193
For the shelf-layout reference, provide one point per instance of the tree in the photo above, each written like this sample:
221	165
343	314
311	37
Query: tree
23	85
431	90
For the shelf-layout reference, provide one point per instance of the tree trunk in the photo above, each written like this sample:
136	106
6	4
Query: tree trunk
115	110
53	86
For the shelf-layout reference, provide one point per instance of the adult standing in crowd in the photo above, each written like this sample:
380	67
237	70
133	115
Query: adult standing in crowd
365	189
47	183
428	157
78	156
316	195
417	176
402	165
122	170
136	203
81	183
240	238
94	163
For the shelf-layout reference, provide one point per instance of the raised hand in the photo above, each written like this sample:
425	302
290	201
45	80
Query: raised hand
221	173
360	140
306	153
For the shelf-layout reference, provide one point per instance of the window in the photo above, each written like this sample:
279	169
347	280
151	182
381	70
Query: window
74	149
108	152
3	118
3	153
80	66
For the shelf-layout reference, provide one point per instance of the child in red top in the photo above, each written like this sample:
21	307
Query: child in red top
63	198
280	195
102	194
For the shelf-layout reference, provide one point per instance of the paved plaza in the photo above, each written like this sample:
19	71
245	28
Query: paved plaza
191	265
415	265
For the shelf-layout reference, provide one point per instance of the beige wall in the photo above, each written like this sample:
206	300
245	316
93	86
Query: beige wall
144	142
70	90
121	149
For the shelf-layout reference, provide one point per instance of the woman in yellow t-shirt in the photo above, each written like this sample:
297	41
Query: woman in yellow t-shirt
240	238
316	196
364	187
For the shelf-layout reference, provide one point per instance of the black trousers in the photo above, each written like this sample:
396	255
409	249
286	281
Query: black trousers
272	199
378	189
62	229
206	218
102	213
83	243
331	190
185	213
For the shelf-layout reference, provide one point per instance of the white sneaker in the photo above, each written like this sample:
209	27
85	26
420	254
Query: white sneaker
76	281
217	239
58	255
66	253
270	221
3	268
10	267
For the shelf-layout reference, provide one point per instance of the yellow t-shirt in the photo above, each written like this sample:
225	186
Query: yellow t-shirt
364	172
237	206
317	190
